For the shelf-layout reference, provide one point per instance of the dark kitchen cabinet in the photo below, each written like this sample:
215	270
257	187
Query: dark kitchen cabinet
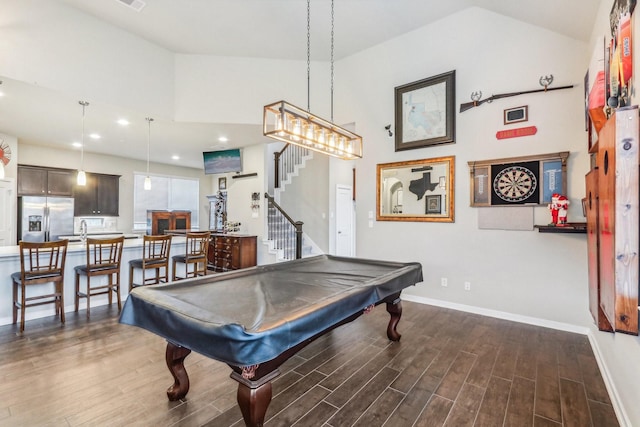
38	181
101	196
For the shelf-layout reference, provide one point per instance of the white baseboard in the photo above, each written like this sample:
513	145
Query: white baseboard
499	314
616	402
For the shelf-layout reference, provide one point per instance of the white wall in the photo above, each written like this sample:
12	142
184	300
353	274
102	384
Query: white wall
234	90
239	191
49	44
306	199
528	273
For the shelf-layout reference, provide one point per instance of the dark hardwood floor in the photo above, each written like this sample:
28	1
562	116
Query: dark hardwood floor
450	369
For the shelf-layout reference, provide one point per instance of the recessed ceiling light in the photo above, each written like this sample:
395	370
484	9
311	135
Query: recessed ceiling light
77	144
94	136
123	122
174	157
223	139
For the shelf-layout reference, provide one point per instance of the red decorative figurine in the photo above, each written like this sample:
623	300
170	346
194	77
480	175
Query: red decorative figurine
558	207
563	207
553	207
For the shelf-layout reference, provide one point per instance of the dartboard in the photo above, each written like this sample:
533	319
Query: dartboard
515	184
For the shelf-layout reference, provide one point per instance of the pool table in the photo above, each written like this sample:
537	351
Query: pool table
257	318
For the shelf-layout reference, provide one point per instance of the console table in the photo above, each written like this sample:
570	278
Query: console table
232	252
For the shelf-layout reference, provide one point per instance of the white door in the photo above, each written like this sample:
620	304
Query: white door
7	213
344	221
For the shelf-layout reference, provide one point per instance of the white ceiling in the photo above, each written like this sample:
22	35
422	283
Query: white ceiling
248	28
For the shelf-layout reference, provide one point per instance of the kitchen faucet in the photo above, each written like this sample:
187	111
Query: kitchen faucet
83	231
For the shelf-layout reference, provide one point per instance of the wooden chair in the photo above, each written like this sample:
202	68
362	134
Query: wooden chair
197	248
155	255
39	263
103	259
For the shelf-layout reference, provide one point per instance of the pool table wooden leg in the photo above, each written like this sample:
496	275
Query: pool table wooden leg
253	403
175	356
394	308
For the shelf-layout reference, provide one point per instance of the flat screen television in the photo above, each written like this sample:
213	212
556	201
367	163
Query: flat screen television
222	161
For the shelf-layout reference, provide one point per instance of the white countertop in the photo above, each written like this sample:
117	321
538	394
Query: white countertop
14	251
76	237
76	255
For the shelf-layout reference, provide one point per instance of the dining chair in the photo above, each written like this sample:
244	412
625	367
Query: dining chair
40	263
197	247
155	255
103	259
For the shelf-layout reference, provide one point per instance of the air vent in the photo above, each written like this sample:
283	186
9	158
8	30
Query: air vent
136	5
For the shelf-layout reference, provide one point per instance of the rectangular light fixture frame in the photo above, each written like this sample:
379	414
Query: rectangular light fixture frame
293	125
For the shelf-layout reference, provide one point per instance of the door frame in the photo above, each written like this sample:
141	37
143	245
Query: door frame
10	210
342	188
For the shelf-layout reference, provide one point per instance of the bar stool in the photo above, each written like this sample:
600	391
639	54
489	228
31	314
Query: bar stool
197	247
103	259
40	262
155	255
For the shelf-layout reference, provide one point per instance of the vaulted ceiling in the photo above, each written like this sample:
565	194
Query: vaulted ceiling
258	28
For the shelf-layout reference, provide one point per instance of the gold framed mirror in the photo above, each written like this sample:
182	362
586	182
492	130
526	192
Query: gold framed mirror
416	190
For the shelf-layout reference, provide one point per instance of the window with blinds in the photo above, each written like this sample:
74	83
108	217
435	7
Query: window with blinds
167	193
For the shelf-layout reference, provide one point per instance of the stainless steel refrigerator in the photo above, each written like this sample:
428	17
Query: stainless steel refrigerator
43	219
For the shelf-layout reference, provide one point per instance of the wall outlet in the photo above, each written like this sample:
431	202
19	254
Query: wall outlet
444	282
467	286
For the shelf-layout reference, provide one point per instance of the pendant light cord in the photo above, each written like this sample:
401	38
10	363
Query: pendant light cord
149	120
308	56
84	104
332	27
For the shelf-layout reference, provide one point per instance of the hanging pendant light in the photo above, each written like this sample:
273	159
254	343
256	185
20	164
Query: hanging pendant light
290	124
82	177
147	179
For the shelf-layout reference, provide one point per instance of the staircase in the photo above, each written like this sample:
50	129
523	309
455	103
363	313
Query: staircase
284	235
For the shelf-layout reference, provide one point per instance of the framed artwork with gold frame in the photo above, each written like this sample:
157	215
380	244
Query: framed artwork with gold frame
416	190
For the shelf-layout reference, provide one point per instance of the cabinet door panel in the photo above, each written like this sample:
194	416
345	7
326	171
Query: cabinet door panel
108	195
593	248
85	197
32	181
617	220
59	183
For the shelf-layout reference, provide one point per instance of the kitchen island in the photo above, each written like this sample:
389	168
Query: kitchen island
76	255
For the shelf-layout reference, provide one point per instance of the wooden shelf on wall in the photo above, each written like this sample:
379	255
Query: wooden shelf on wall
570	227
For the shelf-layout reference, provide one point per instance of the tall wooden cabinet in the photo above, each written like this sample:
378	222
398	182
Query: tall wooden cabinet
613	214
160	221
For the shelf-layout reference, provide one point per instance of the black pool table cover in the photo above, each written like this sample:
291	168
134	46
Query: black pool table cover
250	316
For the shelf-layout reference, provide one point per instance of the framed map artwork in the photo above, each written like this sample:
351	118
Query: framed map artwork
425	112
